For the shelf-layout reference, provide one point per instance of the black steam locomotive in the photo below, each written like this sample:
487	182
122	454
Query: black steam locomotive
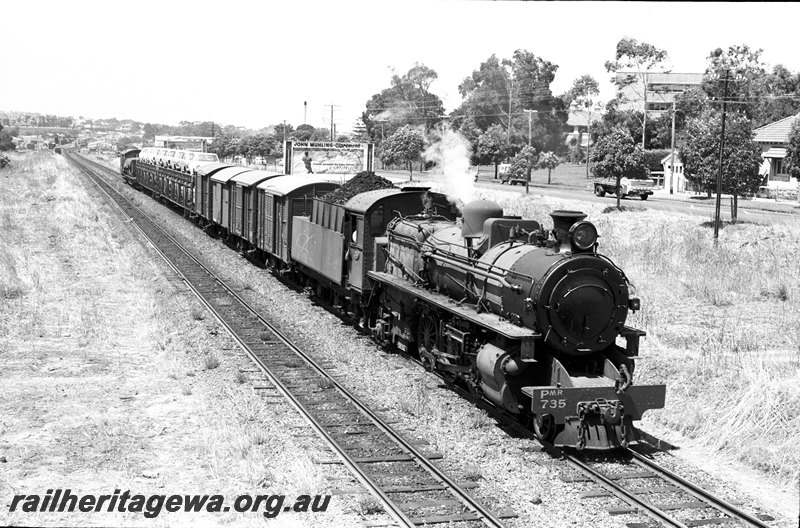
526	317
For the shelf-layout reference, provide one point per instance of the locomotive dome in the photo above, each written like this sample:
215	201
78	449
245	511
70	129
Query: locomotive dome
474	214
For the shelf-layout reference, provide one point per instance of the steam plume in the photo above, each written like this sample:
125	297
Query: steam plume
451	152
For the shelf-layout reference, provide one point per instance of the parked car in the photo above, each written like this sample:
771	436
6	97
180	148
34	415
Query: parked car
504	173
627	187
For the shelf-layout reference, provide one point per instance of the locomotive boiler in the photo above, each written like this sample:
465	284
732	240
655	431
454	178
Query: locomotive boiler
526	317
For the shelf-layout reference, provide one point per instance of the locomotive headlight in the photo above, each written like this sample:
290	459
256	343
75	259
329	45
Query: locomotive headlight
583	236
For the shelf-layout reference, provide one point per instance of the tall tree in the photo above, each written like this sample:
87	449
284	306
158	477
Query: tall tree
405	145
616	156
407	101
782	98
639	58
741	157
745	72
584	88
493	147
499	91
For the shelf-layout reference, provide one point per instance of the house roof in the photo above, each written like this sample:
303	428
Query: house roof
581	117
777	132
666	158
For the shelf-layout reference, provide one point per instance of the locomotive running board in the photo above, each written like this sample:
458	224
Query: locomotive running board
486	320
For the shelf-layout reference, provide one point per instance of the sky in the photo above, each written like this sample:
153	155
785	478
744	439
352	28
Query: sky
254	64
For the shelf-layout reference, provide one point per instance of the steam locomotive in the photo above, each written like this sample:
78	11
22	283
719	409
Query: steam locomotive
531	319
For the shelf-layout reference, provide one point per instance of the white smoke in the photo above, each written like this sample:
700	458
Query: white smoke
451	152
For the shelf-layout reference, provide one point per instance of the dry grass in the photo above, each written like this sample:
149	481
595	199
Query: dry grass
106	378
723	323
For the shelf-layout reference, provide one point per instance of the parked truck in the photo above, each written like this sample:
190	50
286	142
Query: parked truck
627	186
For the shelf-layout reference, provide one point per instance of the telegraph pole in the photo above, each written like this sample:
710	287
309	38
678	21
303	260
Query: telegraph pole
721	150
332	107
305	112
672	159
530	144
510	97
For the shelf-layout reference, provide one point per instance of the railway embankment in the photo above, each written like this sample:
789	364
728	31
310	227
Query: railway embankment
112	376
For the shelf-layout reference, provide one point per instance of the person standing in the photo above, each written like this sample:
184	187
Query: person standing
307	162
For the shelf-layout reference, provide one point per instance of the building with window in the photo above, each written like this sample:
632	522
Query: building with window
674	178
578	123
660	89
773	140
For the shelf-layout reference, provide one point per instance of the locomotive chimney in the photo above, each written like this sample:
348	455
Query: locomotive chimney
562	221
474	214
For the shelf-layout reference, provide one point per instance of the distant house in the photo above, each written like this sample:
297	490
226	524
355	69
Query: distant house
661	89
774	140
578	121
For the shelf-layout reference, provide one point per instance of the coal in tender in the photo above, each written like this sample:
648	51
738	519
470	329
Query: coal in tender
362	182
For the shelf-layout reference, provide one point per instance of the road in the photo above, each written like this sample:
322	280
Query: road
748	210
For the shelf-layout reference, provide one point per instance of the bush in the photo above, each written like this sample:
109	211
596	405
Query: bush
4	161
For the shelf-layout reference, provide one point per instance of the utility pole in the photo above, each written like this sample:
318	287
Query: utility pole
332	107
588	139
644	112
672	159
530	144
721	151
305	112
510	97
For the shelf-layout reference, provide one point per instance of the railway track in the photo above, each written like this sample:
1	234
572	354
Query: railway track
654	491
646	487
410	488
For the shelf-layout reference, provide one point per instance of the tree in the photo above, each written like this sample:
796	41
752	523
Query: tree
616	156
405	145
741	157
549	161
149	134
640	57
583	88
224	145
303	132
783	96
283	132
499	91
792	159
493	147
407	101
745	71
320	134
522	164
5	138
